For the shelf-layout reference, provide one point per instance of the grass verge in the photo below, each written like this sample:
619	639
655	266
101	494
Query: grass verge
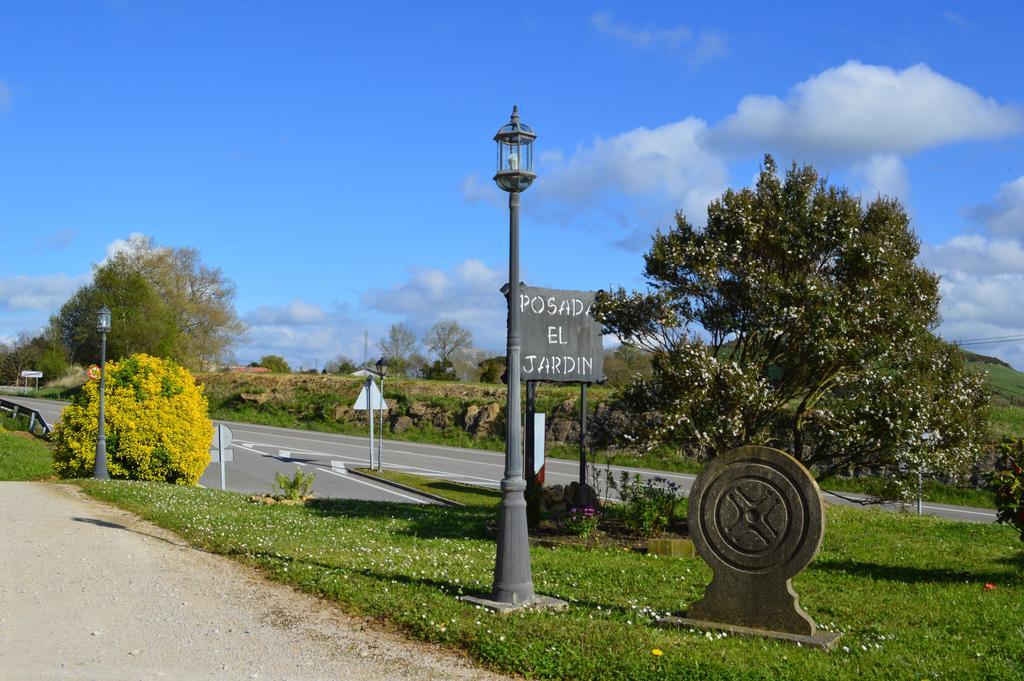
23	457
933	491
467	495
908	593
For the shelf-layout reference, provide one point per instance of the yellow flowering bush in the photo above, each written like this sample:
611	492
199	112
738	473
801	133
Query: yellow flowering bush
156	425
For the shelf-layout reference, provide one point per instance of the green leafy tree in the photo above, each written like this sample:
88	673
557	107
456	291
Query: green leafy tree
625	363
440	370
342	364
42	352
797	318
200	302
140	319
399	347
53	356
274	363
164	302
492	369
447	337
1008	487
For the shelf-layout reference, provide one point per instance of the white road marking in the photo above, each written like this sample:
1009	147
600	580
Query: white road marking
376	487
436	472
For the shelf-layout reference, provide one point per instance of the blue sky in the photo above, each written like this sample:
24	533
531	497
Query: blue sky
334	159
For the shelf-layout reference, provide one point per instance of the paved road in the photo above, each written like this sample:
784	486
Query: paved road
262	451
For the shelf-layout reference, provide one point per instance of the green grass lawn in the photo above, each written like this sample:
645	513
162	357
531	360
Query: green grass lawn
23	457
933	491
908	593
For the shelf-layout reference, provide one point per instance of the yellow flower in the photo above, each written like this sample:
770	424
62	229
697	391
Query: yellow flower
657	651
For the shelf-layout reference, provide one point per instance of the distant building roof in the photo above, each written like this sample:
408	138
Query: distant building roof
363	372
249	370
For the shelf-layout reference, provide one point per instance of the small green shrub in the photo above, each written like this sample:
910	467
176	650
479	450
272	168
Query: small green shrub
647	505
297	487
1008	486
581	522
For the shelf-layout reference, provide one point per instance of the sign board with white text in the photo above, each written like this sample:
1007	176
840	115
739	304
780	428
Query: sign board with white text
561	341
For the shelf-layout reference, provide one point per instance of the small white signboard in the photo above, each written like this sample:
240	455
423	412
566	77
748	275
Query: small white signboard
229	456
376	400
538	442
31	374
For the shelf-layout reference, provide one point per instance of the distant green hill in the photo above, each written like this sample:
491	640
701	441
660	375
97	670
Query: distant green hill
1007	383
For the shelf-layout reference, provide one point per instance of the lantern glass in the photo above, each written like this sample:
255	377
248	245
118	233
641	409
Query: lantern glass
103	320
515	155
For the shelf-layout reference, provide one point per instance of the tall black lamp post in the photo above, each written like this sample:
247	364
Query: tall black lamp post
513	579
382	370
103	326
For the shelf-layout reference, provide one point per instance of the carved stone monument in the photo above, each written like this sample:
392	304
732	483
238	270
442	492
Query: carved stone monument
757	518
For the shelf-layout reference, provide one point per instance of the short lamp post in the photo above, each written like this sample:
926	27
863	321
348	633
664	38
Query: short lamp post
103	326
382	370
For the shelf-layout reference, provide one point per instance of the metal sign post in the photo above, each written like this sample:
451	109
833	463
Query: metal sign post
369	399
538	448
219	450
369	407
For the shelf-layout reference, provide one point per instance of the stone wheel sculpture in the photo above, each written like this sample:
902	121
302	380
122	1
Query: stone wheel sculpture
756	517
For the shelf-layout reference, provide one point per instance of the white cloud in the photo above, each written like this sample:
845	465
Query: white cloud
475	191
857	110
305	334
5	97
961	23
1004	216
975	254
981	281
42	293
295	313
977	306
869	115
136	241
54	241
469	294
640	37
883	175
709	46
705	47
669	163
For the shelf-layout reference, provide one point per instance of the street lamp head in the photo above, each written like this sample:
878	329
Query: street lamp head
382	366
103	320
515	154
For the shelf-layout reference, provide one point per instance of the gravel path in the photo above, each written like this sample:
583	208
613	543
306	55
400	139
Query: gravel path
91	592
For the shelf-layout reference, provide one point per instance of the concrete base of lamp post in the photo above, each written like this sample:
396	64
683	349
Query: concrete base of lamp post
503	608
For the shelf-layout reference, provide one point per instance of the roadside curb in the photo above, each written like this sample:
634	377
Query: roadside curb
406	488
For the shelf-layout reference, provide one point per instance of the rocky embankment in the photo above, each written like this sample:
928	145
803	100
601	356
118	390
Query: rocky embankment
457	410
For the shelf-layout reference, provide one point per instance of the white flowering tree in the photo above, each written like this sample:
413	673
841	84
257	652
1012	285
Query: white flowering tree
797	318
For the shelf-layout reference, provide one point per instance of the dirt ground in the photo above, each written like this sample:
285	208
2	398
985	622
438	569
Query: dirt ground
89	592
